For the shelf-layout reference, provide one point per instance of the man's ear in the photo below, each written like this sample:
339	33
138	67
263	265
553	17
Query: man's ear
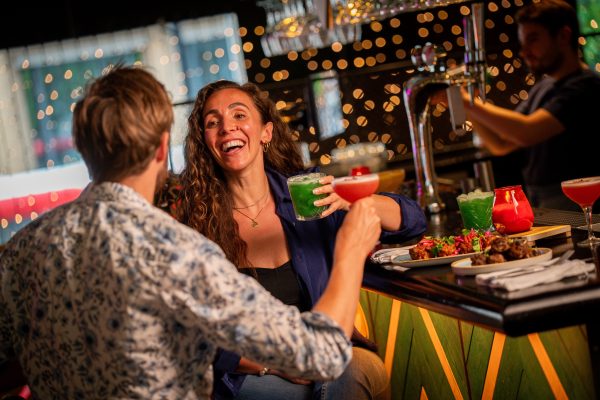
564	34
162	152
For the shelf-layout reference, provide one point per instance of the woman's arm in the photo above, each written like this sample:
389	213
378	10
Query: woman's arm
250	367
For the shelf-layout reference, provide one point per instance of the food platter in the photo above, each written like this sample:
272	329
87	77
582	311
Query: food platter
464	267
405	261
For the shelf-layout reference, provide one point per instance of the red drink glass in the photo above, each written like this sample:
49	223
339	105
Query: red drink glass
512	212
360	170
585	192
352	188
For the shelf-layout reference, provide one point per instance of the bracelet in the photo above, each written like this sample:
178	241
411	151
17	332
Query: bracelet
263	371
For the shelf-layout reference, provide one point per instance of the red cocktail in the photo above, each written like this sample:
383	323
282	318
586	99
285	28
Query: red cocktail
585	192
352	188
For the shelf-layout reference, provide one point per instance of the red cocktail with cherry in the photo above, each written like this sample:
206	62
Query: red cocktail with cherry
585	192
352	188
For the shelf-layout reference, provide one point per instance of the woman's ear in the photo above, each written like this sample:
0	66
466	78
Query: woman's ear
267	133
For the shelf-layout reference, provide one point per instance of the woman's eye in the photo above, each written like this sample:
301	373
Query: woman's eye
239	115
211	124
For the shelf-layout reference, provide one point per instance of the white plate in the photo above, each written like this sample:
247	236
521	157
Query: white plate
387	255
407	262
463	267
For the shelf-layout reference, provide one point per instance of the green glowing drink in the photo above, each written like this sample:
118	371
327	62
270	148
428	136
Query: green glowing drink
301	190
476	209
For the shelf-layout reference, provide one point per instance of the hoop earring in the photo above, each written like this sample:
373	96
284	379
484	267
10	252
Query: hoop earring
266	146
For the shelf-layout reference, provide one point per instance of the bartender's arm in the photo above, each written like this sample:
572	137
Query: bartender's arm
502	130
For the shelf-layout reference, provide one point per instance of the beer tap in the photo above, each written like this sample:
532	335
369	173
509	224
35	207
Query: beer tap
433	78
475	65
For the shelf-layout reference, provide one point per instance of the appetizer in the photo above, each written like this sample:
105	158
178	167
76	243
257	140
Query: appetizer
504	249
470	241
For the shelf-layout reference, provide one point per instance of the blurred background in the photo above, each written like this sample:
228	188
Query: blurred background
334	68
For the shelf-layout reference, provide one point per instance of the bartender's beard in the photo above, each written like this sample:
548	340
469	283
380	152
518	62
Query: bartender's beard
548	65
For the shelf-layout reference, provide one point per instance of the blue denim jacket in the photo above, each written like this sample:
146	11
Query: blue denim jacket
311	245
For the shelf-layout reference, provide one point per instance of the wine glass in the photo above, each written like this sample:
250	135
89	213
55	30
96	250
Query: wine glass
585	192
352	188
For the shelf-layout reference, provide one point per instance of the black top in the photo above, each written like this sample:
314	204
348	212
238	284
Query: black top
574	101
283	284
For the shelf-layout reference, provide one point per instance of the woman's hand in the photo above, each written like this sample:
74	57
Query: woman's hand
297	381
334	201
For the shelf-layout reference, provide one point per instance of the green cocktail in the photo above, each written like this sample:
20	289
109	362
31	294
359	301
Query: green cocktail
301	190
476	209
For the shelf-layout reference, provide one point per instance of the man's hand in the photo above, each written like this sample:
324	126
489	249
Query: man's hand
360	231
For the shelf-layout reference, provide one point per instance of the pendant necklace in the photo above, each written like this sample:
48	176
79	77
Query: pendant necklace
254	223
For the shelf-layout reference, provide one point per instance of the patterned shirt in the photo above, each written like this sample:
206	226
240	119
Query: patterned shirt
109	297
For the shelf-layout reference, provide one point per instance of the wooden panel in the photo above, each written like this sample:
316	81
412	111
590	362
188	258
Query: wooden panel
437	357
569	354
539	232
478	349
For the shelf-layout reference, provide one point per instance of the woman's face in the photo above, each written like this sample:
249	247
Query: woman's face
233	130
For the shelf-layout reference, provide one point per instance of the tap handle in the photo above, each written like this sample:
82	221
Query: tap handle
416	56
431	54
475	65
479	49
478	31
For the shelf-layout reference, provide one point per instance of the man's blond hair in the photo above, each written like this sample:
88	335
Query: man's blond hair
118	124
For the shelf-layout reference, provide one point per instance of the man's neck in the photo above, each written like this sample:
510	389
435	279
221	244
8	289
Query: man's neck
570	66
144	184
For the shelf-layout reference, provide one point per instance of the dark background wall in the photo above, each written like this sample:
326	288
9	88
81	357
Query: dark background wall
370	93
31	22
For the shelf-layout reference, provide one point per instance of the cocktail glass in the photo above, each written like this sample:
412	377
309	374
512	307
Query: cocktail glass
352	188
476	209
585	192
301	191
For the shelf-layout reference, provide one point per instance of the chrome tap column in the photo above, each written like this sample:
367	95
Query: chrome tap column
417	93
475	66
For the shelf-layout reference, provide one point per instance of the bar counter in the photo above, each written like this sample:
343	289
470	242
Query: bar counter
457	339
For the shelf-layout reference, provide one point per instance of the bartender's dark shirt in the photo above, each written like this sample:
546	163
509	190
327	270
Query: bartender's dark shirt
575	102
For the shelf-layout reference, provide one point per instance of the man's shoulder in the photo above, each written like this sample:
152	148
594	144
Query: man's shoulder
38	225
183	237
586	80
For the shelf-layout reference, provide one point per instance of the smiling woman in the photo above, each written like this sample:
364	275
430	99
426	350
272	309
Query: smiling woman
239	154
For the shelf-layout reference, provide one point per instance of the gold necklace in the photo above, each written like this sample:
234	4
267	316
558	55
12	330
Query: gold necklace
255	203
254	223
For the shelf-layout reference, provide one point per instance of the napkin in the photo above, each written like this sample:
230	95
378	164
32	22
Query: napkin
387	255
534	275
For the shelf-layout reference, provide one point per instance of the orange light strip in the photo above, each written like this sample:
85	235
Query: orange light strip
437	344
491	375
390	346
423	394
553	380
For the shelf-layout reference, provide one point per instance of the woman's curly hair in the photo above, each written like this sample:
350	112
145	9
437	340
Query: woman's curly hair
205	201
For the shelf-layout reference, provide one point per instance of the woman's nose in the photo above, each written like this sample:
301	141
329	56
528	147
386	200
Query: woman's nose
229	125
